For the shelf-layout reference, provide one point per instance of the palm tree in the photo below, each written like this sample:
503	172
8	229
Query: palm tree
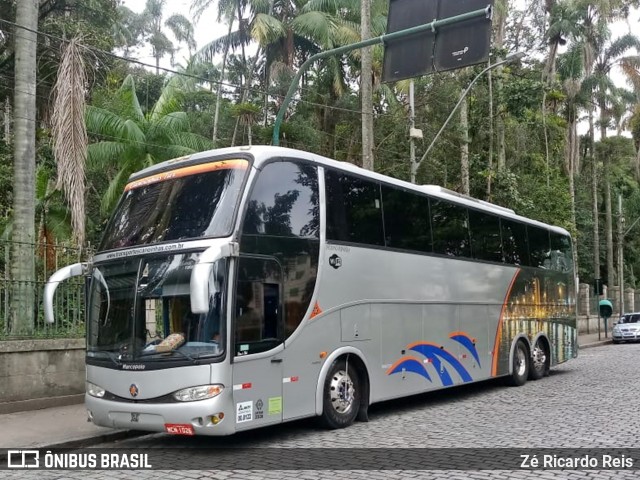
246	114
593	18
51	216
22	261
151	25
129	140
606	56
128	30
225	9
571	74
70	133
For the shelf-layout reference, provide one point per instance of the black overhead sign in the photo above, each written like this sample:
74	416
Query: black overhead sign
453	46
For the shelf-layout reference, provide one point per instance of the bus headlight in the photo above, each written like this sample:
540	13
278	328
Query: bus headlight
203	392
94	390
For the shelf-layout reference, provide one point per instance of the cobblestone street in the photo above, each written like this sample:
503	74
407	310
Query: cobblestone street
590	402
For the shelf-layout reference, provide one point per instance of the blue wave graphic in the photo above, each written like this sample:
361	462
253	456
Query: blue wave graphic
467	343
410	365
443	373
433	352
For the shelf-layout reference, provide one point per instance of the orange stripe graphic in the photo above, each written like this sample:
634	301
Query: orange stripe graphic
496	343
186	171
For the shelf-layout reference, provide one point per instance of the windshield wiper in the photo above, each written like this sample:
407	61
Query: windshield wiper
185	355
112	356
153	352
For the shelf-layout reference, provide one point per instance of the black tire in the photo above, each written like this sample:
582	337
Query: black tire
616	341
520	366
342	394
540	360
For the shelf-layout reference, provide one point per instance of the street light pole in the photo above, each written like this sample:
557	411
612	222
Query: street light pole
509	58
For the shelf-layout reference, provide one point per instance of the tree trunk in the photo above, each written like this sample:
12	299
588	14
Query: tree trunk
490	155
594	197
571	155
7	122
267	75
245	91
611	275
235	132
498	43
216	114
23	284
366	88
500	131
464	146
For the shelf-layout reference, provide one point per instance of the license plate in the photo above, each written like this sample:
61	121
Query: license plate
179	429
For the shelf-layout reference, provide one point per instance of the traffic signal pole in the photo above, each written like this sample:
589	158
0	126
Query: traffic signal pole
435	24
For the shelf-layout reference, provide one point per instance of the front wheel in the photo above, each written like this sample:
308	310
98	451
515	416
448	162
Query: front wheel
520	367
341	398
540	360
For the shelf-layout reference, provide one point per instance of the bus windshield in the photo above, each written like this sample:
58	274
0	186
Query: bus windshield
189	202
139	310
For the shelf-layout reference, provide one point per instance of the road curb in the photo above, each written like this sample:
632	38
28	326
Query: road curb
91	440
595	344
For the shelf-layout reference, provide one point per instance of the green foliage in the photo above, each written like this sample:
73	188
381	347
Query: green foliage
127	140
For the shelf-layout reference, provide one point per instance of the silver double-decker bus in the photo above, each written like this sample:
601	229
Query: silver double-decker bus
244	287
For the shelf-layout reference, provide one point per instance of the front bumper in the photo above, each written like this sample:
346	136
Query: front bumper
154	417
626	336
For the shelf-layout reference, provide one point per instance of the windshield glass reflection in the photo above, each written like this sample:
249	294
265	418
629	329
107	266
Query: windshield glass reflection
139	310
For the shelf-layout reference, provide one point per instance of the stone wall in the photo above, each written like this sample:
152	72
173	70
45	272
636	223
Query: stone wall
36	372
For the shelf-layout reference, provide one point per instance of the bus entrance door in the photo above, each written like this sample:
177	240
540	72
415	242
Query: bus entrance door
259	343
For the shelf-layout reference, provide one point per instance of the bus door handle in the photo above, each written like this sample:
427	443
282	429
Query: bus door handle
276	360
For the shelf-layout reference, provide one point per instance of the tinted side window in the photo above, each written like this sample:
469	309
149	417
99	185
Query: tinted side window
354	212
257	321
406	220
282	221
561	253
450	226
538	247
486	242
514	242
284	202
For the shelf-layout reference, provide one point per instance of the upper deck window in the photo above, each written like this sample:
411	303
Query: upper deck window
354	209
189	202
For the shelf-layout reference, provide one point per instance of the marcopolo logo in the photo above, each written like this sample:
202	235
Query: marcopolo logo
23	459
133	390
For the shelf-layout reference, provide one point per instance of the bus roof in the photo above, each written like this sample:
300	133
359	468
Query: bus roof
262	153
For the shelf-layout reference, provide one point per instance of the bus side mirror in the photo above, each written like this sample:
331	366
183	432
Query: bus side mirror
199	282
50	288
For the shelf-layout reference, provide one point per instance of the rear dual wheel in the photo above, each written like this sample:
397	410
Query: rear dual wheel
520	365
540	360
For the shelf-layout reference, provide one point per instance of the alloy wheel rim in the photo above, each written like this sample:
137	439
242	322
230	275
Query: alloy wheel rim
521	362
341	392
539	357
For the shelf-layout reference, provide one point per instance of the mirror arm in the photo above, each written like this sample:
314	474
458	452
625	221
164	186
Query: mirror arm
50	288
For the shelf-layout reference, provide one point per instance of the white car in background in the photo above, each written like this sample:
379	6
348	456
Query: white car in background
627	329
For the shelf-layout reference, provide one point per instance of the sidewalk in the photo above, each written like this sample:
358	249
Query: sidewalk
591	340
68	427
54	427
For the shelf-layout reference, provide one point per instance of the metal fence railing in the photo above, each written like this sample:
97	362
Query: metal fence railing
69	301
